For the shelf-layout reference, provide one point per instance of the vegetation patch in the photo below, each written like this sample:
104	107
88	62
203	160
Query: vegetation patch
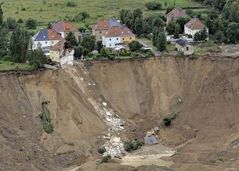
135	144
46	119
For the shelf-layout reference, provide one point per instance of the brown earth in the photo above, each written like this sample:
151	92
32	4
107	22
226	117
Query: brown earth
205	131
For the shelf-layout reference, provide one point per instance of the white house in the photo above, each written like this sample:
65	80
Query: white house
116	36
193	26
45	39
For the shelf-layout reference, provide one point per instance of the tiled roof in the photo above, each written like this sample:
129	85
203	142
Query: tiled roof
64	26
59	46
106	24
177	13
182	42
46	35
118	31
195	24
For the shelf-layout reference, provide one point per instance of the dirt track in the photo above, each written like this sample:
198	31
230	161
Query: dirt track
205	131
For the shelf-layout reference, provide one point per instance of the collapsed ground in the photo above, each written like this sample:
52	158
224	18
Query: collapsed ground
142	92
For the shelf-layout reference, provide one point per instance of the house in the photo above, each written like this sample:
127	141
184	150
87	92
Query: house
45	39
184	46
116	36
193	26
100	28
65	27
59	54
56	51
175	14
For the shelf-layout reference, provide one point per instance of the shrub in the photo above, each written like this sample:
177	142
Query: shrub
46	120
167	121
71	4
105	159
135	46
19	21
31	23
153	5
102	150
133	145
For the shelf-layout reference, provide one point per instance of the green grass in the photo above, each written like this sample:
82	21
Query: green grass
45	11
10	66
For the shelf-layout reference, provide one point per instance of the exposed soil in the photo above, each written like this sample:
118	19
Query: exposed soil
205	132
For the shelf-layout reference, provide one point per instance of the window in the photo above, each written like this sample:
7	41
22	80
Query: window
187	48
117	38
45	42
110	45
100	32
130	38
110	39
123	38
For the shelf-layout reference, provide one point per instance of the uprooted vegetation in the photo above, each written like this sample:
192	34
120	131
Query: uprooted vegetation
132	145
46	119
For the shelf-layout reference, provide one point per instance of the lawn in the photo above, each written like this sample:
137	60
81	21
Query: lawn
11	66
45	11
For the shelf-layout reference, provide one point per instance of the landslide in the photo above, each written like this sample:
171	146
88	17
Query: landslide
142	92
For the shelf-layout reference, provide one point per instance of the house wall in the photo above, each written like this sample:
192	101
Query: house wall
192	32
55	55
68	59
110	42
43	44
128	39
98	34
187	50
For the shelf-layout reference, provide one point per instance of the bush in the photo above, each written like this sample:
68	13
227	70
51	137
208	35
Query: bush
167	121
102	150
153	5
19	21
46	120
133	145
81	16
105	159
71	4
135	46
31	23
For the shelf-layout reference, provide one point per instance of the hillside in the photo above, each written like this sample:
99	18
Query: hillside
142	92
47	11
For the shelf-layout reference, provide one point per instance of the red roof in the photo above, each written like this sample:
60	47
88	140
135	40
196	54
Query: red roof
64	26
118	31
176	13
53	35
195	24
102	25
59	46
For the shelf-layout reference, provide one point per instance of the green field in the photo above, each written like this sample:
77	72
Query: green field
45	11
11	66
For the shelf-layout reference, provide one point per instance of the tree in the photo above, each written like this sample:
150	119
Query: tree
153	5
31	23
219	37
161	41
176	31
99	45
157	22
138	26
88	44
1	14
171	27
11	23
37	58
4	45
78	52
135	46
19	44
201	35
233	33
70	40
181	22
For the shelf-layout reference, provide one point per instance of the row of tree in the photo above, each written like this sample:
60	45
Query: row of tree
15	45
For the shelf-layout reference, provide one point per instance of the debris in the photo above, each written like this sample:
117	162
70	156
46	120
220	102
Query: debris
150	139
104	104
